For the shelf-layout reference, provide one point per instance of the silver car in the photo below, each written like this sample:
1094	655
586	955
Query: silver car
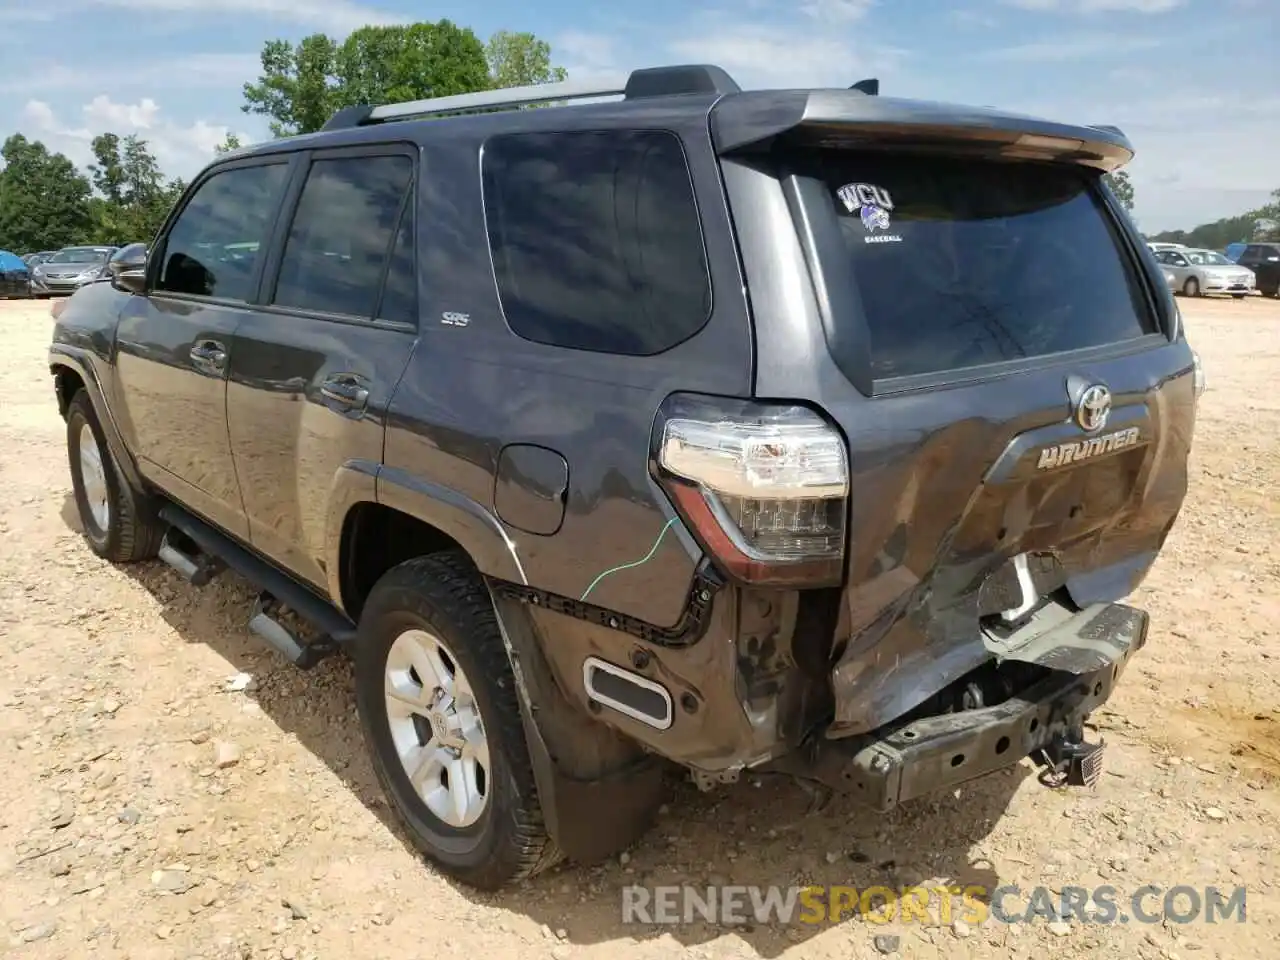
69	269
1195	272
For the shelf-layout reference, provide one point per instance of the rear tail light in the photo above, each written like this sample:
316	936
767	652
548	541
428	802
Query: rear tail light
765	487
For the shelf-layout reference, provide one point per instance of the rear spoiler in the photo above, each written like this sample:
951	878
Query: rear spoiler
850	118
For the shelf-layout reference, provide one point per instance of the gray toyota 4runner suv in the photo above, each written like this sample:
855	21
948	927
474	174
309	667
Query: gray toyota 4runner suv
805	431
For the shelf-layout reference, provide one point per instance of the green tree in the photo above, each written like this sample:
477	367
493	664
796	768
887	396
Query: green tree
232	142
301	85
44	199
135	195
1122	187
393	64
520	59
1260	224
1267	219
297	86
107	173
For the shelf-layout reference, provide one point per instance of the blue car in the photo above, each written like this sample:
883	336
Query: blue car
1234	250
15	279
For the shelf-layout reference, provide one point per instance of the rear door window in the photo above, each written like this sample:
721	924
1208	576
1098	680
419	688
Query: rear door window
963	262
342	237
596	239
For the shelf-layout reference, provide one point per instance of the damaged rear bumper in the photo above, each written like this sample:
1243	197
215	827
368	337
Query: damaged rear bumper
1085	655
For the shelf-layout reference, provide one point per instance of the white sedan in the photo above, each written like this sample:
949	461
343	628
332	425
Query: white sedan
1197	272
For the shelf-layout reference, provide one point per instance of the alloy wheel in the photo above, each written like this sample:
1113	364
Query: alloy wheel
436	728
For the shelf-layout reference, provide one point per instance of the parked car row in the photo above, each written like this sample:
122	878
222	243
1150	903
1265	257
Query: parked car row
49	273
1195	272
1239	270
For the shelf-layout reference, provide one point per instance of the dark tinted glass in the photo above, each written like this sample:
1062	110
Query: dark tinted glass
342	234
400	295
596	240
134	251
965	262
213	247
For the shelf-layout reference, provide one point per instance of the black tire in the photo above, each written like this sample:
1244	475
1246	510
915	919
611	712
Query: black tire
1238	296
132	531
1191	288
443	594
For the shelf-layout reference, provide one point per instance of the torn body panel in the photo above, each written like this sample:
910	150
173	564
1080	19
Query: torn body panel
1050	539
1044	718
1078	642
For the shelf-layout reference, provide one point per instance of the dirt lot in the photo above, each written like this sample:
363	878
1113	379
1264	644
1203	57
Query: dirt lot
121	834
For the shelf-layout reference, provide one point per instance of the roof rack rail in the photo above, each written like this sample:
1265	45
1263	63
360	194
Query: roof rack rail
639	84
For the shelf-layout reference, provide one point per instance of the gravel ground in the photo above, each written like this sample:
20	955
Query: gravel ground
173	790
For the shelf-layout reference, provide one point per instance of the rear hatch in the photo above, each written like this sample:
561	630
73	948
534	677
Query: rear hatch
957	292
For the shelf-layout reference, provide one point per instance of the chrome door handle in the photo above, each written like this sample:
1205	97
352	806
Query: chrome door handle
209	354
346	390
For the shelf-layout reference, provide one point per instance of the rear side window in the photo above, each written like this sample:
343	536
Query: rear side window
596	240
342	236
962	262
212	249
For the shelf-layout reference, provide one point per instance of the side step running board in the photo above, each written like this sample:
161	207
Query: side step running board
263	622
215	549
198	568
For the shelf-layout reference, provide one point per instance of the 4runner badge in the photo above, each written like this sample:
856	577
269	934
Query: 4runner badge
872	204
1075	451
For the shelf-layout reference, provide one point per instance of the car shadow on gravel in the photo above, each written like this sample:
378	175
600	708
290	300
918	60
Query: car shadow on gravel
764	834
761	833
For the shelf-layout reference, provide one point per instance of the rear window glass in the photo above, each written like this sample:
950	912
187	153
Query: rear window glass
596	240
962	262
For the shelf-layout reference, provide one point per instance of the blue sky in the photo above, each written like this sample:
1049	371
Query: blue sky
1194	83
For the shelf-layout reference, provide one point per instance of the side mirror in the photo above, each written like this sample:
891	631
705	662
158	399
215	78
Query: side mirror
128	269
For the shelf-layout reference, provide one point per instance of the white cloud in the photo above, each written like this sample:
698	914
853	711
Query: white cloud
25	14
837	11
41	114
194	71
338	16
1224	168
1100	6
588	57
1071	48
773	49
760	56
1218	163
965	17
181	150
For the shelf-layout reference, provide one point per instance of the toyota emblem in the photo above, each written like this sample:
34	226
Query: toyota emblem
1093	408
